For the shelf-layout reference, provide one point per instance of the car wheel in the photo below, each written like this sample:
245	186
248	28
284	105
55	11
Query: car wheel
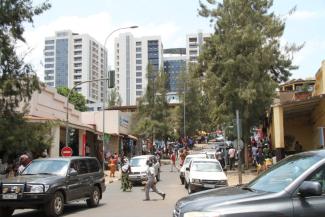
55	207
182	181
189	189
6	211
158	176
93	201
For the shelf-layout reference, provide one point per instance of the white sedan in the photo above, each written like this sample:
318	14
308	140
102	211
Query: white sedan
205	174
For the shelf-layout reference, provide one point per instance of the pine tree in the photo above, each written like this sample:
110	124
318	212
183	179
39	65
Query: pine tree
242	62
17	79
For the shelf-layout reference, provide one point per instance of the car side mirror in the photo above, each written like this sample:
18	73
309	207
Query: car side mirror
310	188
187	169
73	172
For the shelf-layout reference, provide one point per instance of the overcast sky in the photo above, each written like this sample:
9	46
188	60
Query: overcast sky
172	20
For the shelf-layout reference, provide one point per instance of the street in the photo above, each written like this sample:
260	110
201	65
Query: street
116	203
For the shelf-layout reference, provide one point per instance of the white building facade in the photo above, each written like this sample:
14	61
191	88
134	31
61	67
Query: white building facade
132	57
71	58
194	44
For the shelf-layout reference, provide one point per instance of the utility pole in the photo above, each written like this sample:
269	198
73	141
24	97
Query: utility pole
240	180
184	111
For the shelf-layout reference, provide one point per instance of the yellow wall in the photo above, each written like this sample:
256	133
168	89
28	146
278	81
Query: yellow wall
320	80
277	123
302	129
318	117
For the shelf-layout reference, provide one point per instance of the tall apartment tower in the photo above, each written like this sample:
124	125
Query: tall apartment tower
70	59
132	56
174	65
194	44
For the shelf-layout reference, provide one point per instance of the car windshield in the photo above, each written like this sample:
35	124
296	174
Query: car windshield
188	159
54	167
138	162
284	173
206	167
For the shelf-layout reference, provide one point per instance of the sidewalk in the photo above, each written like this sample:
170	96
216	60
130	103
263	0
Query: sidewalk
232	176
109	180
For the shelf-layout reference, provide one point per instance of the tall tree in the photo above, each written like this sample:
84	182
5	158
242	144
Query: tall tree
242	62
77	99
18	80
151	119
190	89
114	98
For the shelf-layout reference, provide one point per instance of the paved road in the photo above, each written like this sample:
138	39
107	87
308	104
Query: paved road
128	204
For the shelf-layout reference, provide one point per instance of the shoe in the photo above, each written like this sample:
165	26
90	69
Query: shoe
164	195
146	199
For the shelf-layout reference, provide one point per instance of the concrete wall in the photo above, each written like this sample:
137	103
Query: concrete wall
302	129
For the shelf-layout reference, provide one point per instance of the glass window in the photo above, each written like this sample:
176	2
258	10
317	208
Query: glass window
57	167
49	65
139	86
138	61
93	165
79	46
78	52
139	80
138	49
51	84
49	42
138	93
49	59
139	67
138	43
77	59
77	65
138	55
139	74
319	176
206	167
83	168
49	47
278	178
51	53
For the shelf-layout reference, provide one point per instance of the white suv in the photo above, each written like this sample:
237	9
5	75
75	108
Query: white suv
139	168
204	174
186	163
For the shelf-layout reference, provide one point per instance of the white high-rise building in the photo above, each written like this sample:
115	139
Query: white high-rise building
132	56
71	58
194	44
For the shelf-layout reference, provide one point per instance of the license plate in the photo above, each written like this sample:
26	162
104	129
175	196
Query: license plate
208	186
9	196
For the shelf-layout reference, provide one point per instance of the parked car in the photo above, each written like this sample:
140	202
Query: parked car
50	183
139	168
186	163
294	187
204	174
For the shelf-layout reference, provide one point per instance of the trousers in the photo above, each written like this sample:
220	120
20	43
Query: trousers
151	185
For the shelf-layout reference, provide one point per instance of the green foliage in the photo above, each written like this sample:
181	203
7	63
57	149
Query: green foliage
18	80
114	98
242	62
151	119
77	99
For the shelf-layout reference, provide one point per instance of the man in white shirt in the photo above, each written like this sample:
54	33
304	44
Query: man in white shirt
151	182
232	155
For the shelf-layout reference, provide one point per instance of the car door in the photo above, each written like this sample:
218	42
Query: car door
84	178
73	181
313	206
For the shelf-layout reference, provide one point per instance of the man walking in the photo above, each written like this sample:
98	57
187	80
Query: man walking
173	161
151	182
232	155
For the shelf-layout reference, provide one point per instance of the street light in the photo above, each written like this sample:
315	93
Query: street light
67	105
105	84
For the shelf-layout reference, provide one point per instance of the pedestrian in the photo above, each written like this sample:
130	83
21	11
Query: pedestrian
112	166
151	182
126	170
254	153
173	161
219	157
260	158
24	161
232	156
